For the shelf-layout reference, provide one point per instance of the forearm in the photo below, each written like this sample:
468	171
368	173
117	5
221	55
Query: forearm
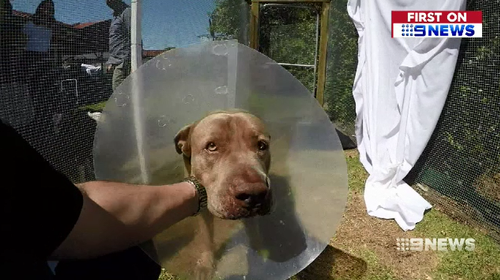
116	216
145	208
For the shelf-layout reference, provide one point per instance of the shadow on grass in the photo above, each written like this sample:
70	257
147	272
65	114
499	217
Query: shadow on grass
333	264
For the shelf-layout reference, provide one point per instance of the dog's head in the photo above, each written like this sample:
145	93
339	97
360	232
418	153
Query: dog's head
228	152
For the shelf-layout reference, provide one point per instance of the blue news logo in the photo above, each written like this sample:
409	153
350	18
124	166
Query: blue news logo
407	29
437	30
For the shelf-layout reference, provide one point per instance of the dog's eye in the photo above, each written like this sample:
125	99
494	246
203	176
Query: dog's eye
211	146
262	145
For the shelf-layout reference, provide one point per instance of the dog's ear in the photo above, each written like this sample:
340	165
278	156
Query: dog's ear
181	140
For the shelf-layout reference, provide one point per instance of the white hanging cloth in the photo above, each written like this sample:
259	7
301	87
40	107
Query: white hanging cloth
400	88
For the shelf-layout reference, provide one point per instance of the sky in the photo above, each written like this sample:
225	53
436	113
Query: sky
165	23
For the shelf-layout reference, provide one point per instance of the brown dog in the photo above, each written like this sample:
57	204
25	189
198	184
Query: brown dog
228	152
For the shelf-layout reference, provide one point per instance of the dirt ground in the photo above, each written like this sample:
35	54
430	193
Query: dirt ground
360	235
377	236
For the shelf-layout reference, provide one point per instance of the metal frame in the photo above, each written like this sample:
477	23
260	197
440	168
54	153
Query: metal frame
323	37
315	65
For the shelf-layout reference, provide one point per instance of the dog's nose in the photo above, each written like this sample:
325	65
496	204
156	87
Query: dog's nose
252	195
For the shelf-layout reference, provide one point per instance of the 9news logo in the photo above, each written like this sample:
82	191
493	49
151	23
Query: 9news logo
437	24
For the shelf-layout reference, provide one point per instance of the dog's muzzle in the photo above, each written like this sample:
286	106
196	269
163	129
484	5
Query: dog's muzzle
264	175
268	182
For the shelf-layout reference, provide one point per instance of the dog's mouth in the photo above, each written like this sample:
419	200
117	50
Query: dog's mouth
236	212
246	213
259	211
245	200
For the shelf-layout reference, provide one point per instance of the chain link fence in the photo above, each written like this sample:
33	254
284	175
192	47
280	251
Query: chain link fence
342	59
45	88
460	168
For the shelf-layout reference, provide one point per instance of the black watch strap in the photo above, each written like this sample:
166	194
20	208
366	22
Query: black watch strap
202	194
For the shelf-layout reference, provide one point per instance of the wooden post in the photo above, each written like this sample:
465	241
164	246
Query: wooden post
254	25
323	49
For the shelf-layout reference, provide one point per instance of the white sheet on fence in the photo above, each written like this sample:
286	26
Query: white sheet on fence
400	89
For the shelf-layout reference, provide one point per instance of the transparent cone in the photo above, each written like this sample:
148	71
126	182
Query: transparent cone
308	171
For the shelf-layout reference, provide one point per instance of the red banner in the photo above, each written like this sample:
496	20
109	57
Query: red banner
423	17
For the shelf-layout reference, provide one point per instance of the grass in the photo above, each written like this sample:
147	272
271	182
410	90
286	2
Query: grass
377	270
365	247
356	173
482	263
94	107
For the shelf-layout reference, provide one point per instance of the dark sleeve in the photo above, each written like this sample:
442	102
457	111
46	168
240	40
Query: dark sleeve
38	205
126	19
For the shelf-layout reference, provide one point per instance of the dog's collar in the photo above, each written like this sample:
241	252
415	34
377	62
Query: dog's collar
201	191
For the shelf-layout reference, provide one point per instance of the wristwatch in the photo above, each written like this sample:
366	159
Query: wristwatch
202	193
